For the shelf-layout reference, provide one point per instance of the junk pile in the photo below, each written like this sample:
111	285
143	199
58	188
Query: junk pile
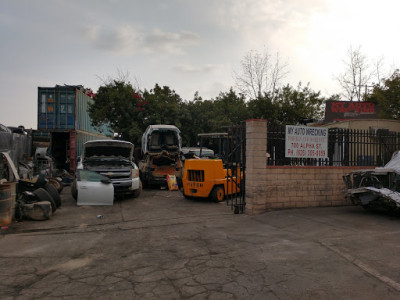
24	195
377	188
38	199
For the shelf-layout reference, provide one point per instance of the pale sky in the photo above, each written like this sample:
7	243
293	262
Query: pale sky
188	45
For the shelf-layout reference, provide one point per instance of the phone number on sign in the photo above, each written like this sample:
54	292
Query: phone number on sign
309	153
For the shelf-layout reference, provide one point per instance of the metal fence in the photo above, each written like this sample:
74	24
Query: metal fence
346	147
236	165
18	145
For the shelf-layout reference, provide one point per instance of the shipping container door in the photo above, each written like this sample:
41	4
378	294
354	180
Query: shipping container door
66	108
46	109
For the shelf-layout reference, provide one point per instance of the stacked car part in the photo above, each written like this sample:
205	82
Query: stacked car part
38	204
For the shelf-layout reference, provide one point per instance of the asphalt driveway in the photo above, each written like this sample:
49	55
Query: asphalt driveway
163	246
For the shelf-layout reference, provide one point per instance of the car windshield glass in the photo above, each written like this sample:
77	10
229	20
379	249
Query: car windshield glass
85	175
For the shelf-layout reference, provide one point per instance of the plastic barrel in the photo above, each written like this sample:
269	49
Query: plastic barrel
7	203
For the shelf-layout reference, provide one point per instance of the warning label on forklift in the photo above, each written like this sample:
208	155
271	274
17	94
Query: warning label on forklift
306	142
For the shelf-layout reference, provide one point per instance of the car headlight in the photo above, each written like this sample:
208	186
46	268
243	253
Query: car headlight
134	173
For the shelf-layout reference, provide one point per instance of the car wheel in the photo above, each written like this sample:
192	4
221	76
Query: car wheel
53	193
218	194
43	195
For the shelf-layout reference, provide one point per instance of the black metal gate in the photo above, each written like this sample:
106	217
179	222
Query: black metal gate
235	163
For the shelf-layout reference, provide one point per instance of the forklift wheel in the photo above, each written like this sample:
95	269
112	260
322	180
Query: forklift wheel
217	194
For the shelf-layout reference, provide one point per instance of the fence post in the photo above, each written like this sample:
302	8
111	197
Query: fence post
256	163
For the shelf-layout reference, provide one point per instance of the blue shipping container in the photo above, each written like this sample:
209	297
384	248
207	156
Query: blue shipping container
66	108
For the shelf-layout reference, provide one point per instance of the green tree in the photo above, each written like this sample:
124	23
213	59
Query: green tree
297	105
129	111
289	105
163	106
197	116
231	109
204	116
388	97
264	108
115	104
120	105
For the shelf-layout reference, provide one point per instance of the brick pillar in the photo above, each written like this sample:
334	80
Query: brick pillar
256	163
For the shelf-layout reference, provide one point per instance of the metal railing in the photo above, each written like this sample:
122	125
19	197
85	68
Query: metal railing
346	147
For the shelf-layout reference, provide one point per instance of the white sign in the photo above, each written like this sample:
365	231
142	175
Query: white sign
306	142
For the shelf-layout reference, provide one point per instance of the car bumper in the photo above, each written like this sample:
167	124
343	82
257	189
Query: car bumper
126	186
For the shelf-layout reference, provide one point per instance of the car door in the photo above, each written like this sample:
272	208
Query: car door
93	188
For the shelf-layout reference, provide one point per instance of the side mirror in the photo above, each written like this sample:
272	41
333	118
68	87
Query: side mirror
106	180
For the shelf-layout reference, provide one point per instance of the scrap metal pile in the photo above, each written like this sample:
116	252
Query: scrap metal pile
377	188
37	196
29	184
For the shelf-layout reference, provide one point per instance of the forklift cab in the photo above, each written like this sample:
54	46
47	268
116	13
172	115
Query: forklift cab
212	178
217	142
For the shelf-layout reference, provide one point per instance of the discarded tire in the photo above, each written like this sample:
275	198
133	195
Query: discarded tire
53	193
43	195
57	184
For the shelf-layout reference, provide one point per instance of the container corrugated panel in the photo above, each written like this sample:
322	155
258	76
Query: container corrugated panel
82	114
83	121
83	137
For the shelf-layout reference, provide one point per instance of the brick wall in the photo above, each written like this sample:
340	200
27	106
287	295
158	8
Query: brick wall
290	187
287	187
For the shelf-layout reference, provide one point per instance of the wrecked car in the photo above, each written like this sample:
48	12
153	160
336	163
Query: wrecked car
376	188
161	148
113	159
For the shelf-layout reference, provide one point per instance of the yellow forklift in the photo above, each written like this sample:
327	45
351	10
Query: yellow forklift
213	178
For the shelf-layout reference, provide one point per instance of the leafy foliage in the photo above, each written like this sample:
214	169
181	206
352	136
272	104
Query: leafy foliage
128	113
200	116
297	105
290	106
119	105
163	107
114	104
388	97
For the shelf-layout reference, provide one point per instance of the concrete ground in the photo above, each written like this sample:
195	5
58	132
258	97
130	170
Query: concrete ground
162	246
